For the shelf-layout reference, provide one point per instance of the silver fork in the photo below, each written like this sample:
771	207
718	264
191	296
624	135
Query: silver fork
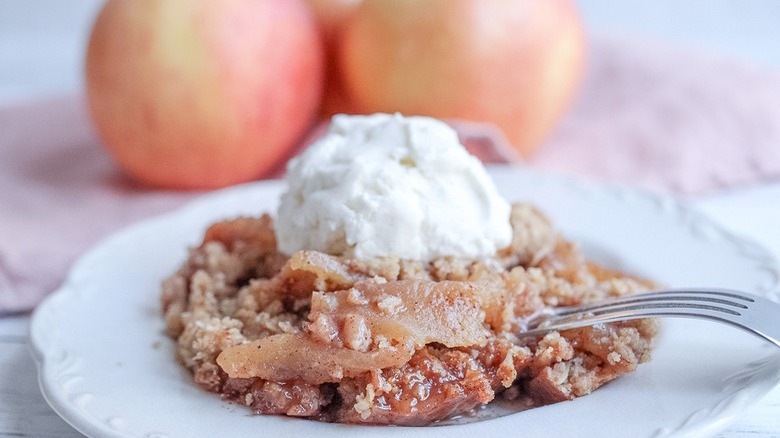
749	312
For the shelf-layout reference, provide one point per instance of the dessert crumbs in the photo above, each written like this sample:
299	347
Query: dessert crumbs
389	341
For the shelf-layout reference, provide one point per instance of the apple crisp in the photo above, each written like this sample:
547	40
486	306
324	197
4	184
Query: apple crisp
389	341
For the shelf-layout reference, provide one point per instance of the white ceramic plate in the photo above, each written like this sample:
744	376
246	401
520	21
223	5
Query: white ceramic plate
107	368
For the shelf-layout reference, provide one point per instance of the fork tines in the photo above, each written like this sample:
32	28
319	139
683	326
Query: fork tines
716	300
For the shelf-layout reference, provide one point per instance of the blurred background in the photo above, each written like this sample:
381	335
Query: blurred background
676	96
42	42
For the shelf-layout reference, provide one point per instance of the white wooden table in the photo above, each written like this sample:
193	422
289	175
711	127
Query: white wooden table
753	213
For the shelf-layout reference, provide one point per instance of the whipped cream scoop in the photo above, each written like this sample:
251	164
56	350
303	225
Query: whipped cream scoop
388	185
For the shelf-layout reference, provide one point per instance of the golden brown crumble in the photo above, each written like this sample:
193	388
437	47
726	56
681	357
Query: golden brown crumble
389	341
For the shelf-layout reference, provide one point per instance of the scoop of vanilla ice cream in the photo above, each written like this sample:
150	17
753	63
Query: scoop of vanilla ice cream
388	185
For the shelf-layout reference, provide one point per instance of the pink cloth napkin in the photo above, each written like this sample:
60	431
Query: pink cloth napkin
59	194
650	116
669	119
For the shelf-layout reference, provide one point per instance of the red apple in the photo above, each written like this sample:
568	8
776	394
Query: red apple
203	93
332	16
515	63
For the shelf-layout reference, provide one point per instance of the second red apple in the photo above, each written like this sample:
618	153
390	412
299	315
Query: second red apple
515	63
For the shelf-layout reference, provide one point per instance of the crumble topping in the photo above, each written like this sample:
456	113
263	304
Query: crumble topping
388	340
